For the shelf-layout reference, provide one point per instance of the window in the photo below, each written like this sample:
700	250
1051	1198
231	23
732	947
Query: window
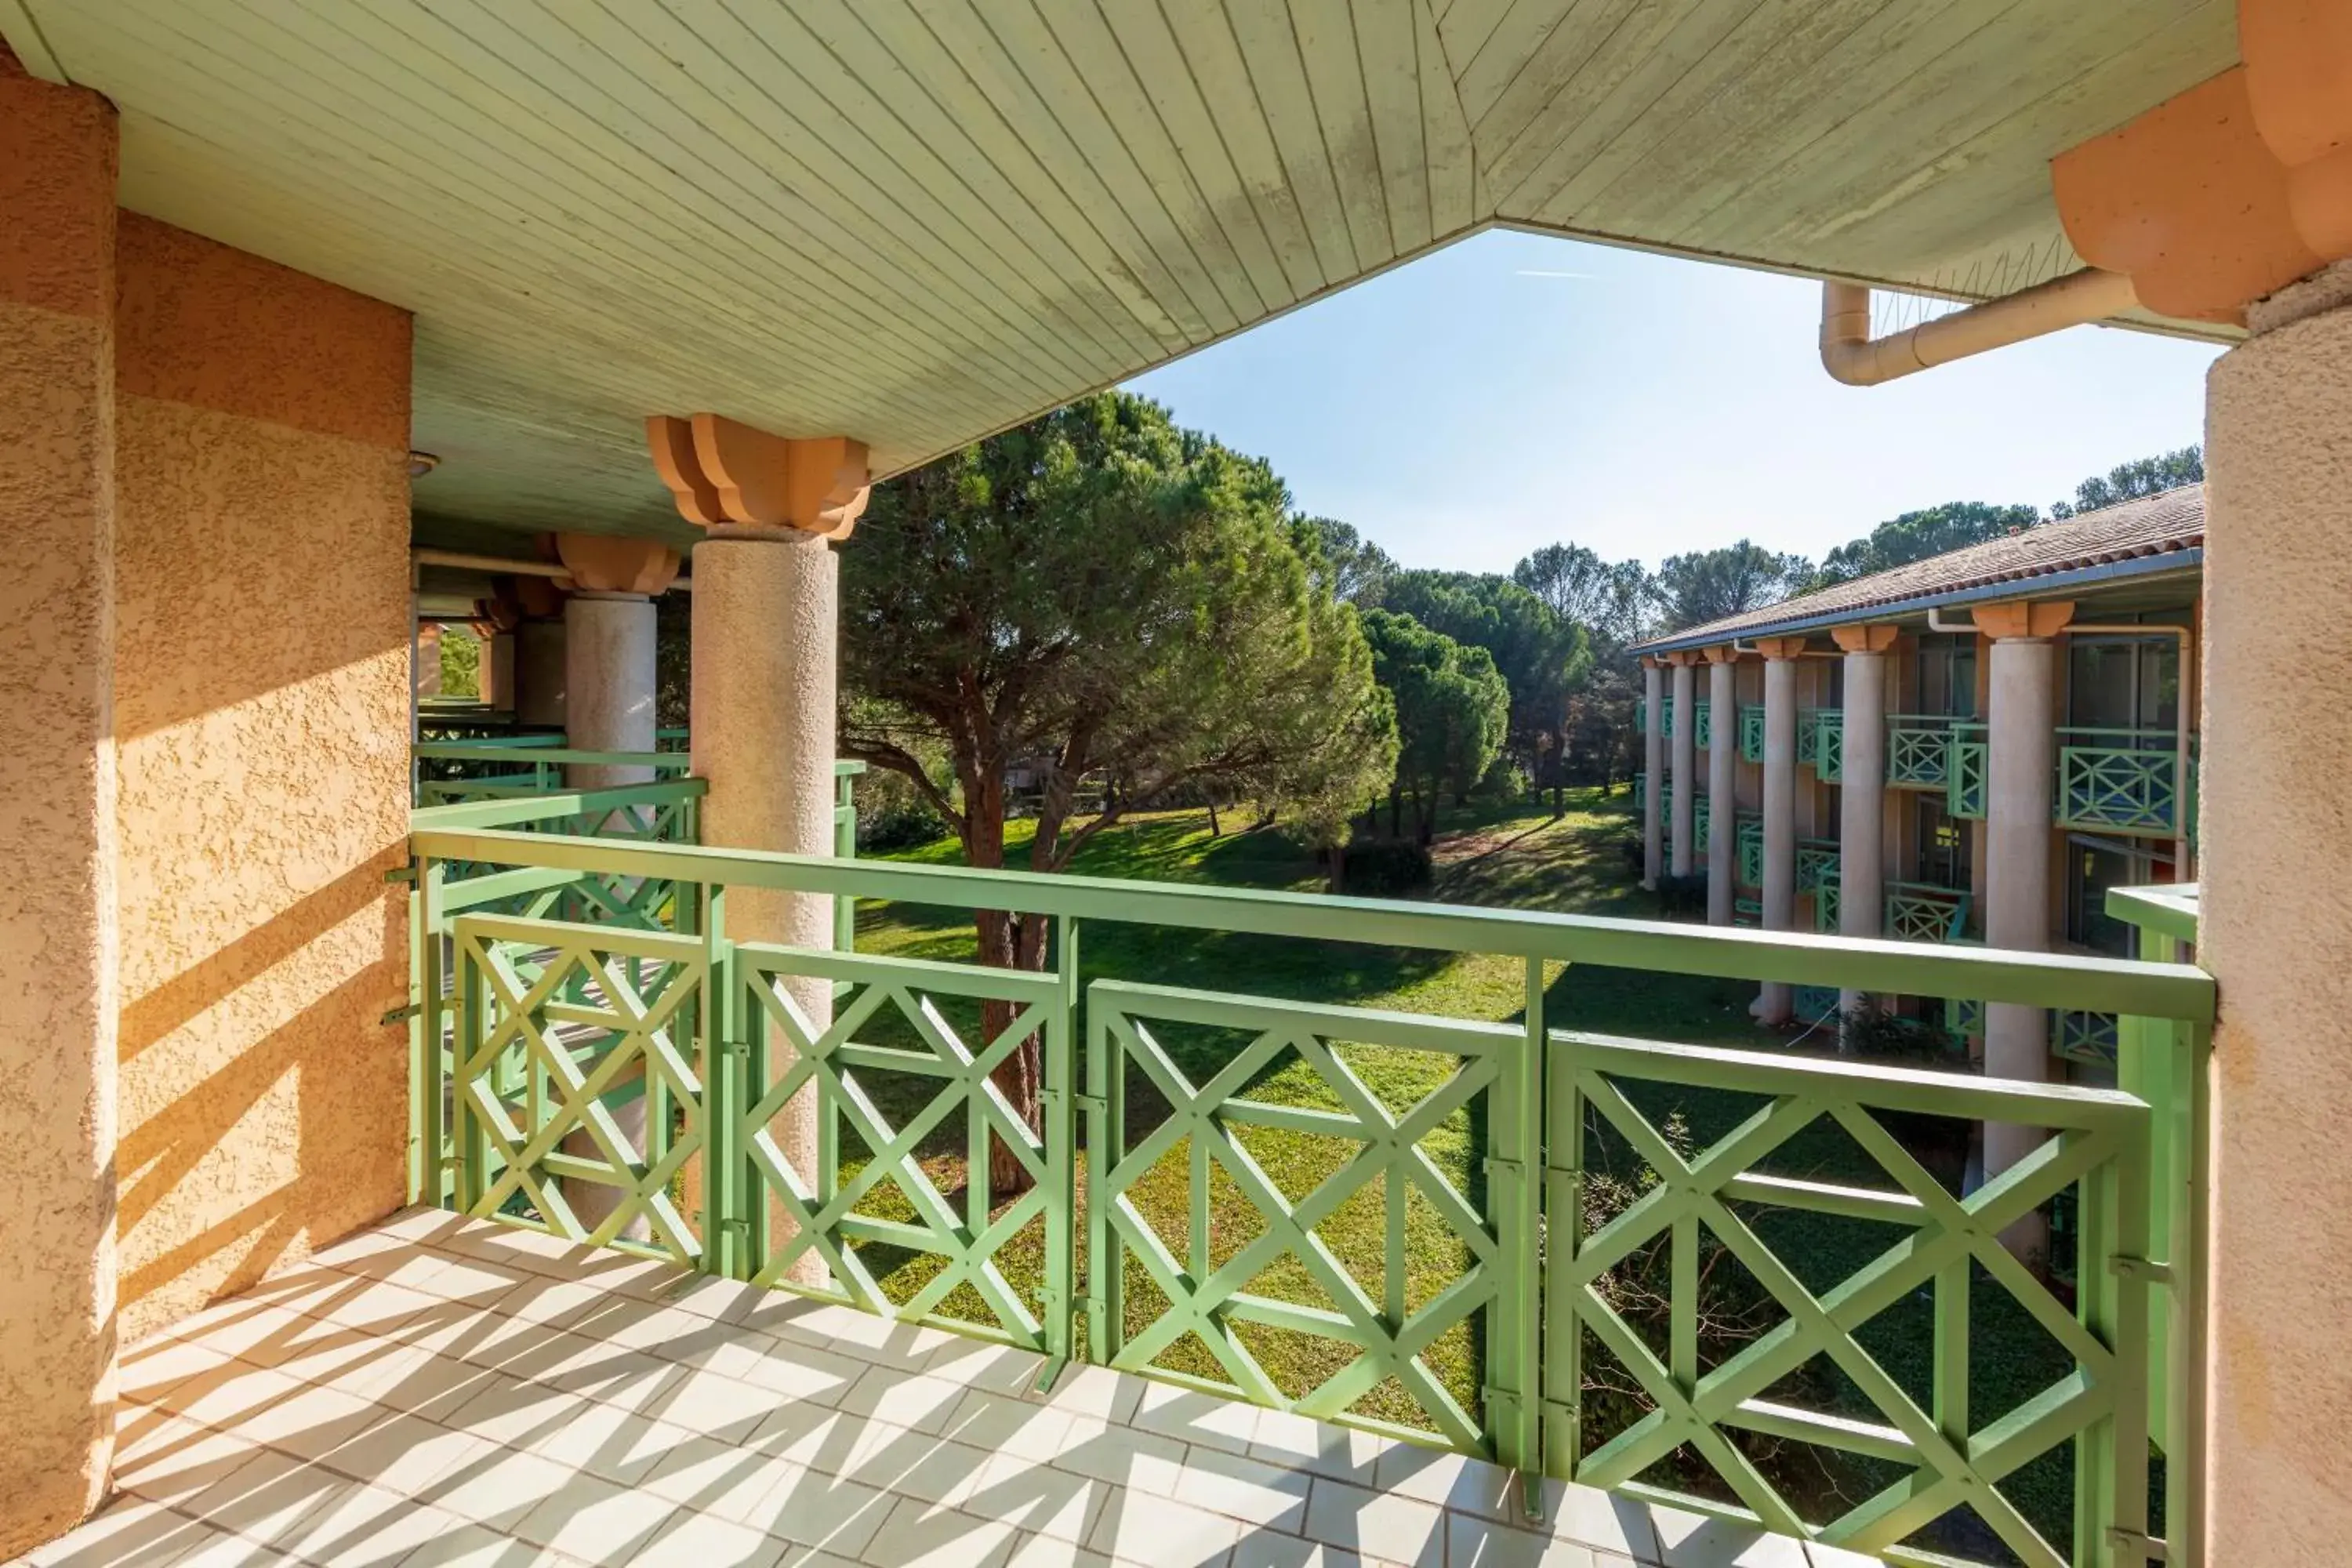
1945	676
2093	865
1943	844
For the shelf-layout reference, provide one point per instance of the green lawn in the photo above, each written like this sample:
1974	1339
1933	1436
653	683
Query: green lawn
1521	858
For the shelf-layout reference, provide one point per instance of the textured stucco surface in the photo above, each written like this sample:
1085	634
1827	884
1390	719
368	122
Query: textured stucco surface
261	718
2276	813
608	683
56	808
1722	790
1653	776
766	628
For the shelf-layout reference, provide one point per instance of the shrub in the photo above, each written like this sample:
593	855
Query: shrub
899	824
1385	867
1504	780
1683	895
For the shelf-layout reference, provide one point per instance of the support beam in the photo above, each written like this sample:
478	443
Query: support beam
1862	795
2277	927
1776	1005
1653	774
1686	766
1722	779
58	828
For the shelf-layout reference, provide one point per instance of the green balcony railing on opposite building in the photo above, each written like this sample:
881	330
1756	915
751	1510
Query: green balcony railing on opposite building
1703	727
1923	912
1502	1139
1964	777
2120	781
1751	732
1829	744
1748	851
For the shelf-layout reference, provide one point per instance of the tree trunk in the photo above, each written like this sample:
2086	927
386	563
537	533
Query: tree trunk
1339	867
1010	941
1215	829
1396	812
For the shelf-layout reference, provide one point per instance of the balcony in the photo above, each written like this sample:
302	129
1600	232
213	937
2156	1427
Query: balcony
2121	781
1549	1333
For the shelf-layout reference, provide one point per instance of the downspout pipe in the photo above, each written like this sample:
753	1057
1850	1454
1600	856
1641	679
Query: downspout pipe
1853	356
2180	760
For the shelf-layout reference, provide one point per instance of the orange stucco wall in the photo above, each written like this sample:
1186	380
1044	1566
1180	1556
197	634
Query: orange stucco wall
57	805
261	718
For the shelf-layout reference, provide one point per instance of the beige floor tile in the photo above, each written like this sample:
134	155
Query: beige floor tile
1253	1492
1694	1540
1450	1480
128	1532
1036	1498
920	1403
788	1367
705	1541
365	1527
187	1458
595	1520
616	1445
1601	1519
1122	1456
497	1488
1201	1420
1139	1526
406	1453
1052	1552
814	1435
475	1546
1007	1424
714	1404
1822	1556
929	1469
140	1433
265	1499
976	1363
1266	1549
1339	1452
917	1535
222	1550
1095	1392
633	1323
1474	1542
718	1479
812	1509
1376	1524
228	1394
310	1421
507	1411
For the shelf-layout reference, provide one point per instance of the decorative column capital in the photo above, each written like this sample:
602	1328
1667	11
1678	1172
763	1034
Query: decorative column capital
741	482
1723	654
615	563
2020	618
1680	659
1775	648
1868	637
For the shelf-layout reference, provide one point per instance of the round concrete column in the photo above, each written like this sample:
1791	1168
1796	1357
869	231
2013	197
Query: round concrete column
2275	926
766	625
1776	1002
1722	796
1685	767
1862	791
2021	779
608	683
1654	774
542	662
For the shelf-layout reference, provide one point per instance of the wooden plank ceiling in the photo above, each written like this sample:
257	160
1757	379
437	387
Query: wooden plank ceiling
916	221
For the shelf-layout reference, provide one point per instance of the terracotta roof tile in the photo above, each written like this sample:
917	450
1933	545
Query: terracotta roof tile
2157	525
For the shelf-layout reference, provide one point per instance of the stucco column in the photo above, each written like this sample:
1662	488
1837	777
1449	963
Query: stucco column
1777	1002
1653	774
1862	791
766	617
1722	796
1686	766
57	830
2021	782
608	693
542	659
2275	927
608	651
766	648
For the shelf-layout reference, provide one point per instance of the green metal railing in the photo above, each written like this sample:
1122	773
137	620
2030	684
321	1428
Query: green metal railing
1749	854
2119	781
1751	732
1817	860
452	772
1918	750
2080	1037
550	1016
1829	744
1703	727
1964	781
1922	911
1702	815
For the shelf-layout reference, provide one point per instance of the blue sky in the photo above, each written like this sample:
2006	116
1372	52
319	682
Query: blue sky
1514	390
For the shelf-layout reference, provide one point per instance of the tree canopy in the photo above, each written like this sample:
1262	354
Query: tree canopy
1708	584
2131	481
1542	658
1916	535
1611	599
1452	709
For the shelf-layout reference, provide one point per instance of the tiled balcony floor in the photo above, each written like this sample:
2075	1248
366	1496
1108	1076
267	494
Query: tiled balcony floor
433	1391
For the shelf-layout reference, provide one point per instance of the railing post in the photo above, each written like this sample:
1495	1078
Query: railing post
1515	1131
1563	1210
1106	1107
1061	1154
428	1085
469	1146
726	1096
844	848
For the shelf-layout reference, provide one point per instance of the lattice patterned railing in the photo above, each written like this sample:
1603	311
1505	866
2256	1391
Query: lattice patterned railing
1817	860
2116	781
1751	732
1917	750
2080	1037
1964	784
1749	853
1697	1206
557	1020
1829	744
1703	726
1921	911
1702	815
